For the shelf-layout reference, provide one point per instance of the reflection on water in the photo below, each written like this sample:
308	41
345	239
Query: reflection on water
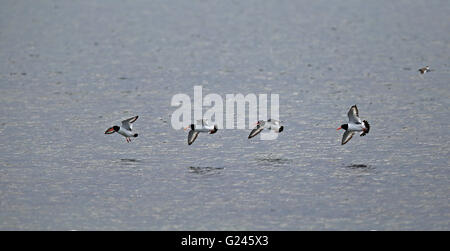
206	170
358	166
202	172
358	169
272	159
130	160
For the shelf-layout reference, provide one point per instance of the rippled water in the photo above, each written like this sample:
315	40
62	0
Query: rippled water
69	70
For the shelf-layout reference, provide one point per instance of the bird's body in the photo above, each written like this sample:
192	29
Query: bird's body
204	126
355	124
270	124
126	133
125	130
424	70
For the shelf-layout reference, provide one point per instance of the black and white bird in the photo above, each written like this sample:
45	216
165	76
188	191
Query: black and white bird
203	125
270	124
424	70
354	125
124	130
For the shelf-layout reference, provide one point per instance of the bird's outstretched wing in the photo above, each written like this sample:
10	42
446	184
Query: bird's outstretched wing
274	121
256	131
347	136
353	115
127	123
192	136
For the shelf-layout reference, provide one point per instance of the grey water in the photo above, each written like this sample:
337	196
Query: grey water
71	69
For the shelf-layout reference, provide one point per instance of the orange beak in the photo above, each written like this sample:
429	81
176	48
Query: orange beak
339	129
186	128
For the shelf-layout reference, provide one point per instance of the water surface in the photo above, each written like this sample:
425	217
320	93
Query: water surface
69	70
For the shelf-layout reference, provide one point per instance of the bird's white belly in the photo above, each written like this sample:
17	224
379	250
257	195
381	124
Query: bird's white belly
202	130
355	127
125	133
275	128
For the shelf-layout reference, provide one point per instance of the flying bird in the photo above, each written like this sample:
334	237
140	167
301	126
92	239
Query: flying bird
354	125
124	130
424	69
270	124
203	126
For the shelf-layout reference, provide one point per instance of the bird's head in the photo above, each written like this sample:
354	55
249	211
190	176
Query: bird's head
192	126
343	126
